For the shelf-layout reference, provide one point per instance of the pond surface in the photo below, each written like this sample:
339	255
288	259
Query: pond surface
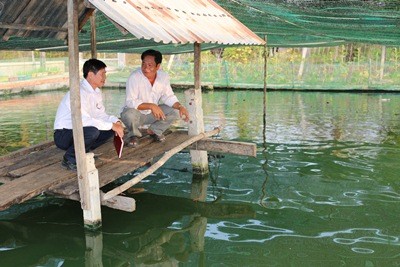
324	189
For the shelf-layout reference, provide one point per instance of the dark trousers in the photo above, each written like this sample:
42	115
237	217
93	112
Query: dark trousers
93	138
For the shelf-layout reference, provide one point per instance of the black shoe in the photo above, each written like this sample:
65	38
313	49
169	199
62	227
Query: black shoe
68	165
159	138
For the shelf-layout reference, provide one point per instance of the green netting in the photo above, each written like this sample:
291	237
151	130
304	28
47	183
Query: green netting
286	23
319	23
345	67
329	68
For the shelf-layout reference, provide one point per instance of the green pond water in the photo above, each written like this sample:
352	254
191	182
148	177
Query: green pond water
324	189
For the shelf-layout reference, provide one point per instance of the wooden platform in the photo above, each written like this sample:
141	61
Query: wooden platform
32	171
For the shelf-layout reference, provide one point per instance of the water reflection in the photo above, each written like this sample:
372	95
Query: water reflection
164	230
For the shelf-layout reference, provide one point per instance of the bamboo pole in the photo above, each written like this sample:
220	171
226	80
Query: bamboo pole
158	164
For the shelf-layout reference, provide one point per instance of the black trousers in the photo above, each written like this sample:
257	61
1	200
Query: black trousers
93	138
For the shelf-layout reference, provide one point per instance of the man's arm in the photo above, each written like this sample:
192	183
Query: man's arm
155	109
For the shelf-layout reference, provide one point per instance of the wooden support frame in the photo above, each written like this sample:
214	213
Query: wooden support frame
114	192
118	202
221	146
31	28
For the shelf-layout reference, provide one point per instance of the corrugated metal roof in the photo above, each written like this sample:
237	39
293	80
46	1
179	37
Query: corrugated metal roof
178	21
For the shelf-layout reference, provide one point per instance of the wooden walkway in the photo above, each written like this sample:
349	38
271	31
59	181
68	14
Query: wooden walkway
29	172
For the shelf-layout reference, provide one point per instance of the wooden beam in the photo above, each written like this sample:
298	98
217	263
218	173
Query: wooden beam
88	4
118	202
230	147
31	28
86	16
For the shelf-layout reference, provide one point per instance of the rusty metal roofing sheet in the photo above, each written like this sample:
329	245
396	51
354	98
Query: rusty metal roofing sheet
178	21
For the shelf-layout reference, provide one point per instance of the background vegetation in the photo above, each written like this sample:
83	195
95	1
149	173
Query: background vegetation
351	66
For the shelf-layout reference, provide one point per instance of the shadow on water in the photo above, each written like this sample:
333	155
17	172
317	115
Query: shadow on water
163	230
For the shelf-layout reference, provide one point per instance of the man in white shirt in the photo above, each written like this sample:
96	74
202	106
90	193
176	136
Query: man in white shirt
98	126
150	100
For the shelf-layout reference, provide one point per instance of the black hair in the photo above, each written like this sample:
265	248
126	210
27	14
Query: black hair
156	54
93	65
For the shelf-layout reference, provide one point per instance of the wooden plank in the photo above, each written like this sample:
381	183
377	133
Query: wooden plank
49	158
230	147
25	151
32	184
5	179
26	160
108	164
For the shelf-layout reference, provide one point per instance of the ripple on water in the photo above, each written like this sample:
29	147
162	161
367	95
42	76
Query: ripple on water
363	250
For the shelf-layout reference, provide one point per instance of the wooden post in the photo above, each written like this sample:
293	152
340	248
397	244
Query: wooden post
93	47
90	206
196	123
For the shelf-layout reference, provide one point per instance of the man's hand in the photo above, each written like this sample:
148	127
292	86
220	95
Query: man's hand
157	112
183	113
118	129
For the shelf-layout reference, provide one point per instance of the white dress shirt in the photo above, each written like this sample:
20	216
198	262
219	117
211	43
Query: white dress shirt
93	111
139	90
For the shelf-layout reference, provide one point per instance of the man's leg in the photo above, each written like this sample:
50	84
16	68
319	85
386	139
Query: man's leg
65	141
92	139
101	139
131	118
159	126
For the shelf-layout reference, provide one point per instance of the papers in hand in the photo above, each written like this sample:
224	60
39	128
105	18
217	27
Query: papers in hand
119	145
